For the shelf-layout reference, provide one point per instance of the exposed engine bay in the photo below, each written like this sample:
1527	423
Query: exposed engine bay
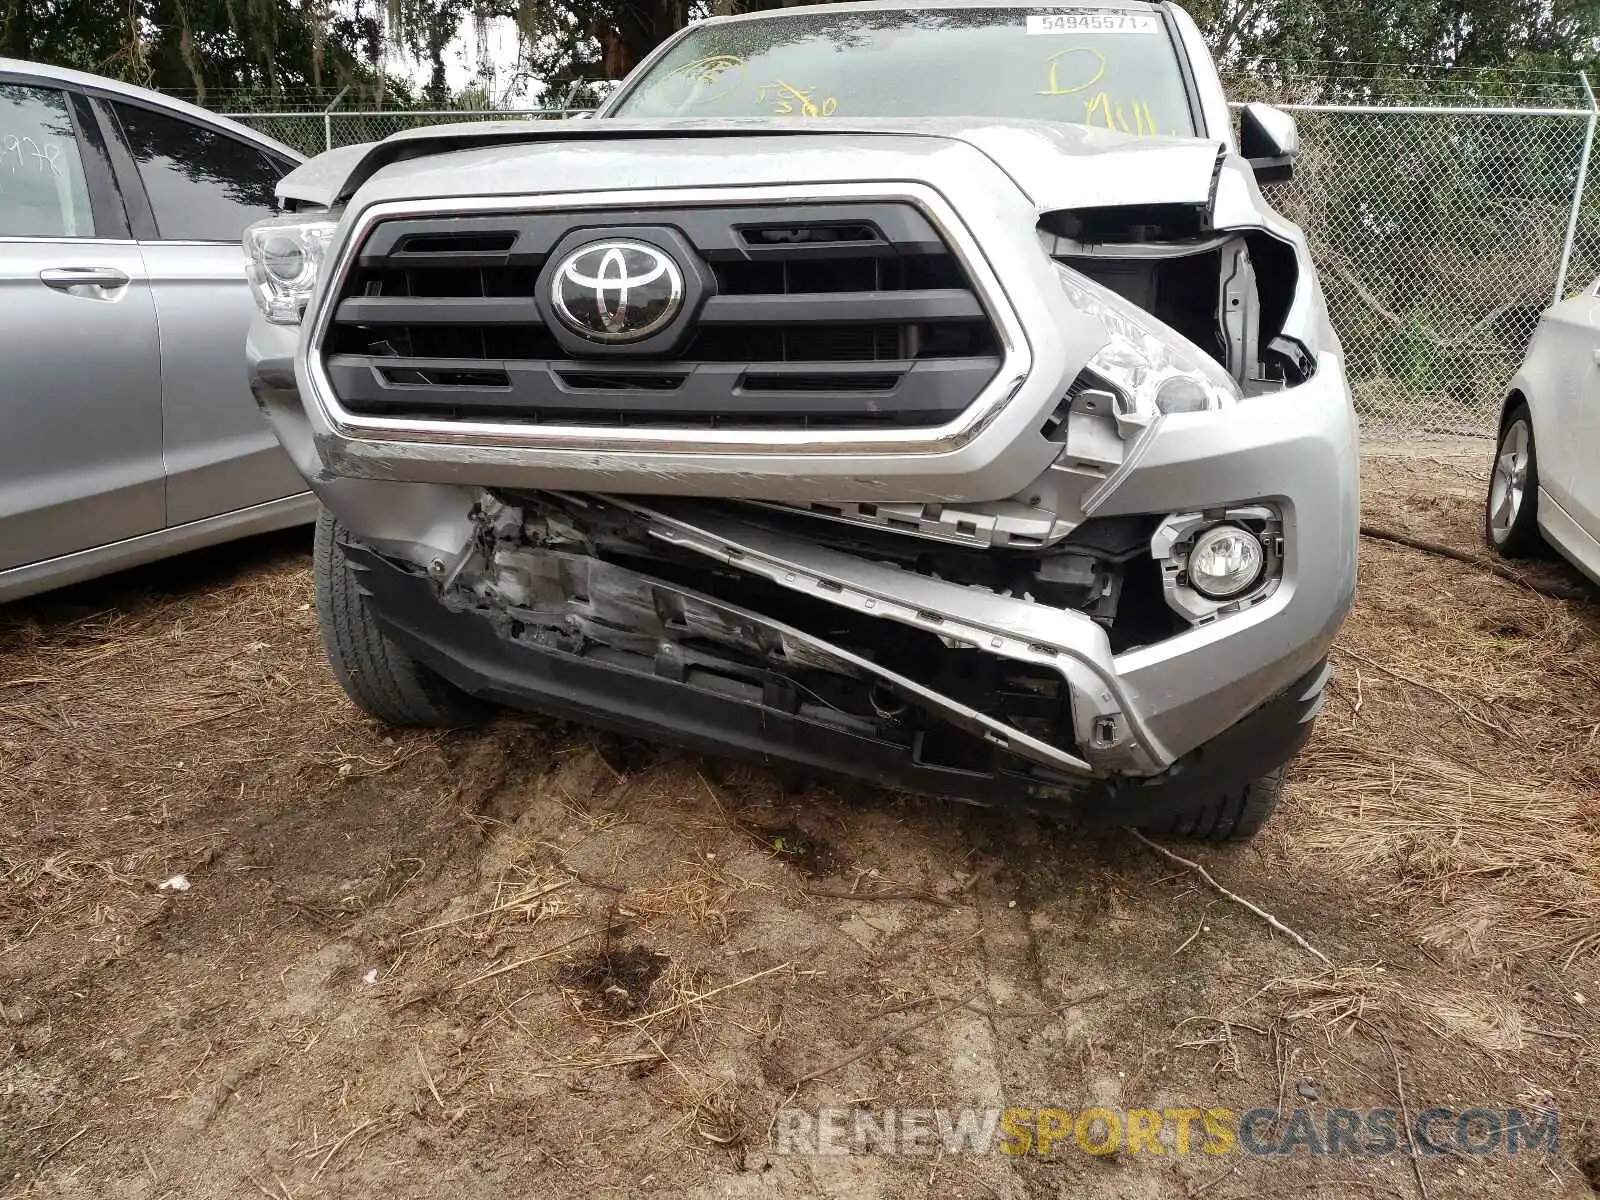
577	573
1227	291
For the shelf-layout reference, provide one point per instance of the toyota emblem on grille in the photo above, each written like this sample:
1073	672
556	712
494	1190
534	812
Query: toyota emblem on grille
616	291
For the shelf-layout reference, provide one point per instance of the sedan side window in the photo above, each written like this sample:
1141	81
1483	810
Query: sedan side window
43	192
204	185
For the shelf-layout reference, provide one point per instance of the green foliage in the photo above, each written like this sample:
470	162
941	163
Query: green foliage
258	48
1376	40
313	48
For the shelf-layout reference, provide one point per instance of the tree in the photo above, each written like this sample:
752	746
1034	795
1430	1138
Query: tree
203	46
275	47
72	33
1399	38
568	45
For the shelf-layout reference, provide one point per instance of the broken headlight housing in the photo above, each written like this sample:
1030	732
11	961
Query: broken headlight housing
282	258
1153	368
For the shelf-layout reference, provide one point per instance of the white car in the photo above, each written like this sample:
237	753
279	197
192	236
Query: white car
1545	487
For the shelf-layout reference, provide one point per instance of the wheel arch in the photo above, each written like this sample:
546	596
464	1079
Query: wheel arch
1518	393
1514	396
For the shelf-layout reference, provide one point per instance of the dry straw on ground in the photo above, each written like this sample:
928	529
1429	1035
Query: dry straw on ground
529	960
1458	768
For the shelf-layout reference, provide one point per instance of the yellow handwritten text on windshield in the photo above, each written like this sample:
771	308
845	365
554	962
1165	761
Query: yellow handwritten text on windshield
1077	70
1133	117
788	100
1074	70
710	78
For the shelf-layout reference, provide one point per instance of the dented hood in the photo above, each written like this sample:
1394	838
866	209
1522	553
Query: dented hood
1055	165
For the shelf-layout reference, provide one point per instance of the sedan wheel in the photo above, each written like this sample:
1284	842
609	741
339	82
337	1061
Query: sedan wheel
1511	516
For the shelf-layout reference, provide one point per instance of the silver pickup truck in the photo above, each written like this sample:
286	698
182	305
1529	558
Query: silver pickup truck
921	393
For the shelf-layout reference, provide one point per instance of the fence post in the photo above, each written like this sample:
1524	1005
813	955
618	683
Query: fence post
327	119
1577	192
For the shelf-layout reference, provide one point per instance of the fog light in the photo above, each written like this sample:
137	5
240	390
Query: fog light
1226	561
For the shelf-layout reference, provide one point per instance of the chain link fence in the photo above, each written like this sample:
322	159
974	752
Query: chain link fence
1440	233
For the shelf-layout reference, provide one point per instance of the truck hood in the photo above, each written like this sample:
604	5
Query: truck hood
1055	165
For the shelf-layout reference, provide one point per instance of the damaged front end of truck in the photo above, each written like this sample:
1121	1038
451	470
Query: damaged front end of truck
1002	461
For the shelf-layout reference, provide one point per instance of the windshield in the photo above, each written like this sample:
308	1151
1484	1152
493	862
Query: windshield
1109	67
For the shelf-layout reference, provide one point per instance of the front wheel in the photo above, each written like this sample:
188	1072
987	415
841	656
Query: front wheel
1511	515
1235	816
382	679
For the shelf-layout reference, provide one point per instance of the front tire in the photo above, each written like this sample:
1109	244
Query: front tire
1511	513
1235	816
382	679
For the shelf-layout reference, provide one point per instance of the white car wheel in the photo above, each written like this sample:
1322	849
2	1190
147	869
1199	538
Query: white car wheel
1511	514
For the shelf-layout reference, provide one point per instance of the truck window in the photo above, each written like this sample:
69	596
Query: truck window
1115	68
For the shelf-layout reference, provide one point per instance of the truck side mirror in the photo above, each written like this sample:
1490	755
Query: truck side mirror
1269	141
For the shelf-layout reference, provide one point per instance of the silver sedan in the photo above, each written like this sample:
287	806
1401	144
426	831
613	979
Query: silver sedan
130	432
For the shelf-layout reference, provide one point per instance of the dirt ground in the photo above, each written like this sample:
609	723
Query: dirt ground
531	961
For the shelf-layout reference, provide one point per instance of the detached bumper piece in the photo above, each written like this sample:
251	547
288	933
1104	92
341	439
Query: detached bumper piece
656	659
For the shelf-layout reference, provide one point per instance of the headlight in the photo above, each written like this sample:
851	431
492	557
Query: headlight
282	257
1153	366
1226	561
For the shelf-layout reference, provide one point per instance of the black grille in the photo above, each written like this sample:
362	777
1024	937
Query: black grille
815	316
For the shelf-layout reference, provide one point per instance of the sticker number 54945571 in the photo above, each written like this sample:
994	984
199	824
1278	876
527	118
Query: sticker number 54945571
1084	20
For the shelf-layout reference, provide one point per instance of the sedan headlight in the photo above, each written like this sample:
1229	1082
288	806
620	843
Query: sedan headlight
282	257
1153	366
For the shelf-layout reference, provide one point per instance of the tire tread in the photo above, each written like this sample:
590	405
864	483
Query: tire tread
379	677
1235	816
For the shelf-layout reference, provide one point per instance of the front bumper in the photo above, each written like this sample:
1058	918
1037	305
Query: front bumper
630	694
406	494
1295	450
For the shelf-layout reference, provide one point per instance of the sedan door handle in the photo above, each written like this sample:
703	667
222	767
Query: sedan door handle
93	281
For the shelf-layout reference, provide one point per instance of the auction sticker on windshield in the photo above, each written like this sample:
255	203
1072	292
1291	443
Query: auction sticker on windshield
1083	20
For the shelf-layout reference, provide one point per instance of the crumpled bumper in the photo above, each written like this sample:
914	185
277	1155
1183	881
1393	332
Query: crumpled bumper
1136	713
1140	718
630	693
